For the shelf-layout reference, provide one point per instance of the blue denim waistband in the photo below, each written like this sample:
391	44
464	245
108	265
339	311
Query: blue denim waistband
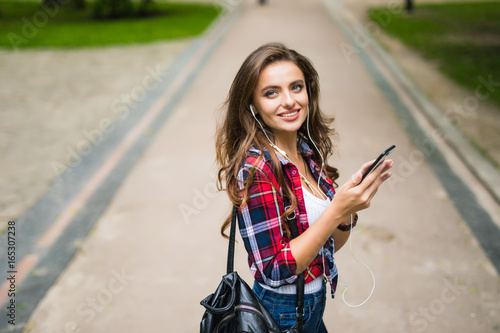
289	299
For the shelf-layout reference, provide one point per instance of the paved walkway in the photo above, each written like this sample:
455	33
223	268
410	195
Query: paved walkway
51	101
155	251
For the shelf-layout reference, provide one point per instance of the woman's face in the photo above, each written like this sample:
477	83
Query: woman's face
280	97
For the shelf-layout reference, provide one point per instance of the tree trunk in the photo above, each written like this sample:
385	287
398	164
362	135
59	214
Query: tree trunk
75	4
409	6
78	4
145	7
113	9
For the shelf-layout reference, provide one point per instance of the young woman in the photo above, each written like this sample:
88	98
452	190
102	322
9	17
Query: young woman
273	147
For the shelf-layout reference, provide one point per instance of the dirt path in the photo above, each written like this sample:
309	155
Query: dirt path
52	99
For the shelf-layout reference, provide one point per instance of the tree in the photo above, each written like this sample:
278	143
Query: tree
409	6
146	7
113	8
75	4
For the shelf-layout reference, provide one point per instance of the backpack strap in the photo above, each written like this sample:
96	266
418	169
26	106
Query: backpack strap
232	236
292	224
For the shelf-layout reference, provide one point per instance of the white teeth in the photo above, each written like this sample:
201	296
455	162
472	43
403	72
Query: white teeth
289	114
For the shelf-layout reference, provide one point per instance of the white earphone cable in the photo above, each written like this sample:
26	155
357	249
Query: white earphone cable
309	135
350	238
369	269
262	127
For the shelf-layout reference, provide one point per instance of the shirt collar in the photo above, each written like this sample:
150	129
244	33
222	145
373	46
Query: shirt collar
307	151
302	146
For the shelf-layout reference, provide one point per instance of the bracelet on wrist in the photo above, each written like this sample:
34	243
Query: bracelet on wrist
348	226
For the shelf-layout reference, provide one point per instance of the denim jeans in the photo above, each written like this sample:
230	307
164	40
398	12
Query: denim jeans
282	308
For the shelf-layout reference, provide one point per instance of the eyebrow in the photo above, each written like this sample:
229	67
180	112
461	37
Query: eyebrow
278	87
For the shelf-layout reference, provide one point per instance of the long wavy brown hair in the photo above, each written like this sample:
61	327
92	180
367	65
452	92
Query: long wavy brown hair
238	131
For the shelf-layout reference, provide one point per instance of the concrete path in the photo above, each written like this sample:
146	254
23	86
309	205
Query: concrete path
156	251
71	93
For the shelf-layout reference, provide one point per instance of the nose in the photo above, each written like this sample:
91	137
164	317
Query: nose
287	100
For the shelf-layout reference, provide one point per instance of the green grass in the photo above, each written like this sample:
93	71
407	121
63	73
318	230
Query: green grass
27	25
463	38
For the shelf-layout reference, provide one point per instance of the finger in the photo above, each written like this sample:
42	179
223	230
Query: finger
386	176
368	181
365	166
373	188
383	167
373	181
381	178
387	165
356	178
354	181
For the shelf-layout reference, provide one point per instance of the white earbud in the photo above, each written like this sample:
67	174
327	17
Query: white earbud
251	110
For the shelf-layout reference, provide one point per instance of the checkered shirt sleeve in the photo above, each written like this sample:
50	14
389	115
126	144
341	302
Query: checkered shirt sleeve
269	255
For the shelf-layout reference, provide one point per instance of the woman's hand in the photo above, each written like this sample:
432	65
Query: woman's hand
355	195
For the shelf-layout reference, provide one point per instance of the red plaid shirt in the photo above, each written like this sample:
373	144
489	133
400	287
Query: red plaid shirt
269	256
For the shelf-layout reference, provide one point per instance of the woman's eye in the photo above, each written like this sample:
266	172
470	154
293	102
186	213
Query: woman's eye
270	93
298	87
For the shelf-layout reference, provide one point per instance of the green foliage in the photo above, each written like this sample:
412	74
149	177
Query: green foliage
30	25
463	38
113	8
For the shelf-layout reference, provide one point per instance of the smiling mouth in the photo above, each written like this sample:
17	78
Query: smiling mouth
291	114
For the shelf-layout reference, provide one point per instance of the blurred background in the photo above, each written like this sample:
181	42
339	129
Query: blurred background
107	114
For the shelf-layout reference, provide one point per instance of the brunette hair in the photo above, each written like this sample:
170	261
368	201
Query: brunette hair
239	131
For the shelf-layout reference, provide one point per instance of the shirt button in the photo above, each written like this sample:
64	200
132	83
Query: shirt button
294	172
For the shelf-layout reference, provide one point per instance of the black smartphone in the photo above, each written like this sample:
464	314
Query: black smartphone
379	160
